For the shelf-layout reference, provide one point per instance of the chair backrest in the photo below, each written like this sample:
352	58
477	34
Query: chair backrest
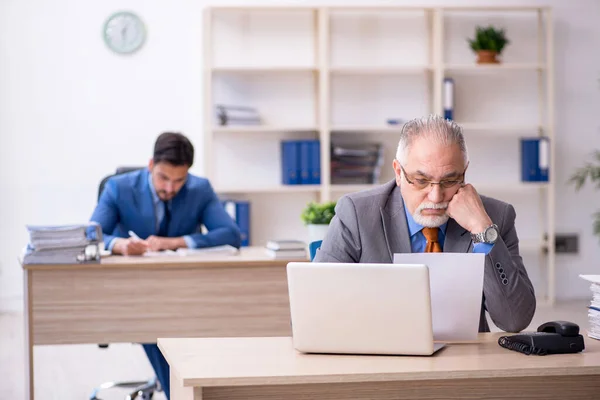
313	247
119	171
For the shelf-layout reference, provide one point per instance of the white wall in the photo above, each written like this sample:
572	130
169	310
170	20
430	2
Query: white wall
71	110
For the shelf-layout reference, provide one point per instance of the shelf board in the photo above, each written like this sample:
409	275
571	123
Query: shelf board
374	70
367	128
494	67
262	68
270	189
353	187
482	126
262	129
510	187
494	8
467	126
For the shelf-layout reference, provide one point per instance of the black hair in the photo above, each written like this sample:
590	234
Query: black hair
173	148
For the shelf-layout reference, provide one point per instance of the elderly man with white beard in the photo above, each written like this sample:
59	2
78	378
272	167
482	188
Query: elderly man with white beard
430	208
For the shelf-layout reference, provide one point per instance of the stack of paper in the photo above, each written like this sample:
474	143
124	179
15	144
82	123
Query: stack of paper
63	244
225	250
287	249
594	307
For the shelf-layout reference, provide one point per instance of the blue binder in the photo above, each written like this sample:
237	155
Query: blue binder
305	166
290	165
448	98
535	159
315	162
239	211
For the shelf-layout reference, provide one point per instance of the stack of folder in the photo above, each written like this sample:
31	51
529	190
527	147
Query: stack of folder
356	163
287	249
594	307
64	244
236	115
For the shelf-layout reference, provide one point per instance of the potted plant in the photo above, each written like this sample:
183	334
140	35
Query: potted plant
317	216
590	170
488	44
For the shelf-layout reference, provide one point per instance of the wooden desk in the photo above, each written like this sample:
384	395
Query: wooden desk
269	368
138	299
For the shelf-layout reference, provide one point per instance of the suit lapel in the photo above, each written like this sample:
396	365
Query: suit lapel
178	214
395	227
457	240
145	205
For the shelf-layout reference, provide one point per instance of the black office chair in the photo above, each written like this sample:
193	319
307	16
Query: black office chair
119	171
142	390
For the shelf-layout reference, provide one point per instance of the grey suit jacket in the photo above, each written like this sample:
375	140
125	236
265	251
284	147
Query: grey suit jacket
370	226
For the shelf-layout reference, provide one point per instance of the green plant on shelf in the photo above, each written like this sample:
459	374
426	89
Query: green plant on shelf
318	213
590	171
488	43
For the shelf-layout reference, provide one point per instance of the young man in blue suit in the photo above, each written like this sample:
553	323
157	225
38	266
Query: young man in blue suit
164	207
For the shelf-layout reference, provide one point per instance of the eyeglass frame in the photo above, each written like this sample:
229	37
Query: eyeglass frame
440	183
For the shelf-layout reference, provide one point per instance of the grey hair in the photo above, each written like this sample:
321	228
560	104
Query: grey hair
434	128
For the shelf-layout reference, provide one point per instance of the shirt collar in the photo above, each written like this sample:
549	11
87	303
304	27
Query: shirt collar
414	227
155	198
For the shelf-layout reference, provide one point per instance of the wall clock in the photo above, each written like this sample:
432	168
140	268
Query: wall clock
124	32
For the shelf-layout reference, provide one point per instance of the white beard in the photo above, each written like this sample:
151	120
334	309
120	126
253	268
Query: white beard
430	221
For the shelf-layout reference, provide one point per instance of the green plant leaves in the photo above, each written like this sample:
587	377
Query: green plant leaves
591	171
318	213
488	38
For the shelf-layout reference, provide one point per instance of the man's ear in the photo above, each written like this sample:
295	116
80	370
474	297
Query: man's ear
151	164
397	171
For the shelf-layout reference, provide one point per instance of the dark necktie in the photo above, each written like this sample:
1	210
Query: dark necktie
432	246
163	229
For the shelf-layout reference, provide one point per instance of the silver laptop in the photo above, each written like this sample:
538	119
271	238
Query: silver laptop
343	308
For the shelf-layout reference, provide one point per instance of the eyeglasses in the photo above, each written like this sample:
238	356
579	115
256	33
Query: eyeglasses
421	184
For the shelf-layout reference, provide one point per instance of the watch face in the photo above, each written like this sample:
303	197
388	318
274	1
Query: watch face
491	234
124	32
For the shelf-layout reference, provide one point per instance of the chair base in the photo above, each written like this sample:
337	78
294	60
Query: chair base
142	390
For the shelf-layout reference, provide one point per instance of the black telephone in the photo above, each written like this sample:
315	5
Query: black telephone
556	337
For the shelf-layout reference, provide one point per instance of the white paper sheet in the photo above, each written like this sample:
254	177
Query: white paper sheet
222	250
456	282
591	278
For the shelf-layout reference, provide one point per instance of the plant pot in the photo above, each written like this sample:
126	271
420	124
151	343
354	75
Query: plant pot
316	232
487	57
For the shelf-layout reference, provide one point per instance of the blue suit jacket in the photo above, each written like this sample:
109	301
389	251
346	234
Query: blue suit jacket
126	204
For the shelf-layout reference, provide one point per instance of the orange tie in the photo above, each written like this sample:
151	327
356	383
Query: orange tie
432	246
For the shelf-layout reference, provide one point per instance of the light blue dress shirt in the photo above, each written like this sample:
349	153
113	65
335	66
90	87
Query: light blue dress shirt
418	241
159	212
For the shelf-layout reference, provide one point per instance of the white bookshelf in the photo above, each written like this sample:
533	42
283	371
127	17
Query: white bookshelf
342	72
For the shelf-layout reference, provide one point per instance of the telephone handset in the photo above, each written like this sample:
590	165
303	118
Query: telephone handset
554	337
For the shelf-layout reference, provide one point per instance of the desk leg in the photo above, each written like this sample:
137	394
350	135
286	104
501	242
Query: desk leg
29	391
180	392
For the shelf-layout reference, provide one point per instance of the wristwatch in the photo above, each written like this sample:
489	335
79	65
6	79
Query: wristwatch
490	235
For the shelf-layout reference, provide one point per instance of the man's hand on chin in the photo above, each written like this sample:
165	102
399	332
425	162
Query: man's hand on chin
466	208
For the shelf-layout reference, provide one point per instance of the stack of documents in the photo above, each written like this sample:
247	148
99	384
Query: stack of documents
237	115
594	307
63	244
225	250
287	249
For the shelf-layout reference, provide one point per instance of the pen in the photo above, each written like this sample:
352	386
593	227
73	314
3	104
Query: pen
133	235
